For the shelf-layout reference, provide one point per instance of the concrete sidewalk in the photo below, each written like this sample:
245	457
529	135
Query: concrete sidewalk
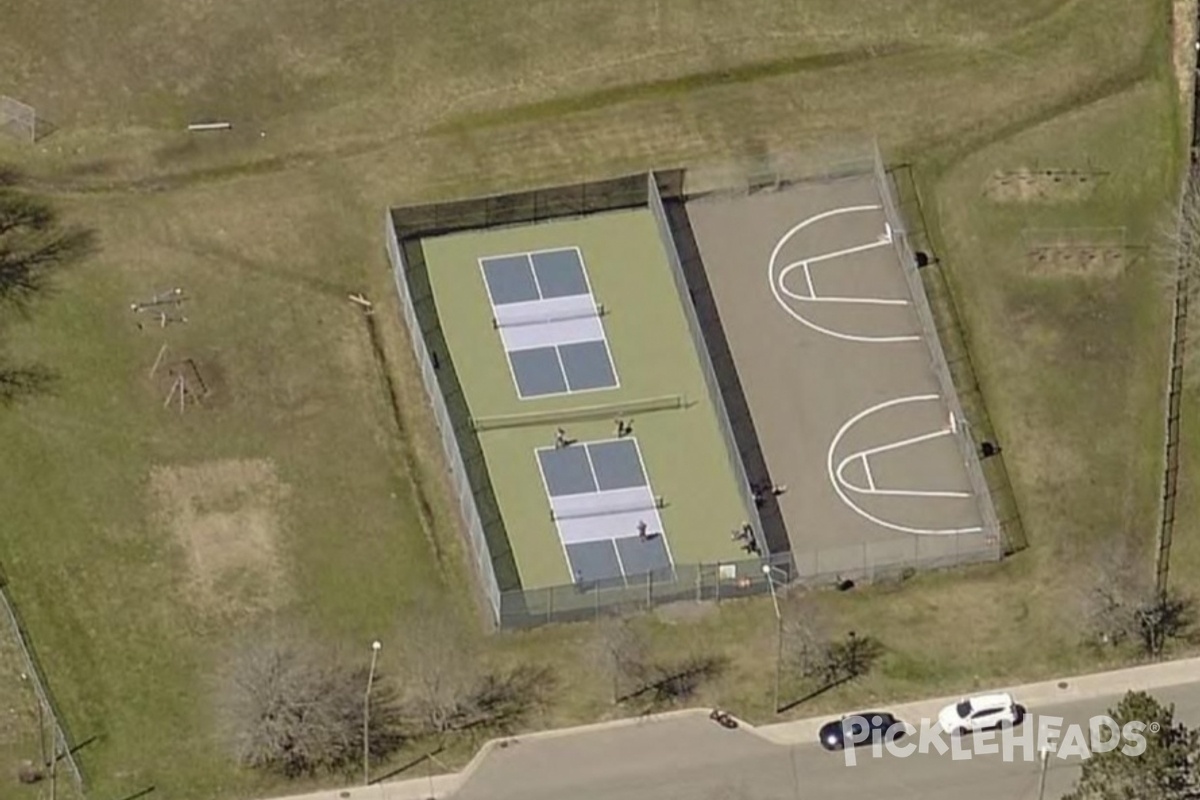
804	731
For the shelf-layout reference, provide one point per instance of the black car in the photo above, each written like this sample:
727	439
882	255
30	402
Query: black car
875	723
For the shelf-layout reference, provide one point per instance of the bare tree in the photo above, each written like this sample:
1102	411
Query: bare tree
440	667
1122	607
291	708
677	680
1163	618
815	653
447	684
504	699
849	657
622	648
806	636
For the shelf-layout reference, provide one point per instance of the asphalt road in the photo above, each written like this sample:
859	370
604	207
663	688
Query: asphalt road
694	759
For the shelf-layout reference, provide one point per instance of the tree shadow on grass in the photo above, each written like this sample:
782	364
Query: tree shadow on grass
814	694
19	383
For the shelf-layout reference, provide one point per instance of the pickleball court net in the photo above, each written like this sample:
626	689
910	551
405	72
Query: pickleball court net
603	509
514	318
584	413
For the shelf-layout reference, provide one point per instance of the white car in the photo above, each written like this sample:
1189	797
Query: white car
979	712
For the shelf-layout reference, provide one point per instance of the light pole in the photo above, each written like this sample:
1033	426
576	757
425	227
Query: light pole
375	645
1042	778
766	568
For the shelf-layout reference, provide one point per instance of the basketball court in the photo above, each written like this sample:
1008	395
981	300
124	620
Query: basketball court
838	377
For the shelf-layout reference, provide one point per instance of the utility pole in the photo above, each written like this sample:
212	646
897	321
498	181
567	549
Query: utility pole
778	631
375	645
1042	778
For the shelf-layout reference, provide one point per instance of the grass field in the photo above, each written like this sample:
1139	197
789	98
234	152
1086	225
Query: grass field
653	357
132	543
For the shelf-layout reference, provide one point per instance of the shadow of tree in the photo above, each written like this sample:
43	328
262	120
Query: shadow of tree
34	245
22	382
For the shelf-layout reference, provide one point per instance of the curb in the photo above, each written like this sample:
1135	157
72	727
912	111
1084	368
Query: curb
1063	690
556	733
802	731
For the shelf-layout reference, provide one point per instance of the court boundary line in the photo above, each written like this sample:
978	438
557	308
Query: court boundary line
776	288
865	455
620	561
591	294
562	368
612	540
576	580
813	297
838	487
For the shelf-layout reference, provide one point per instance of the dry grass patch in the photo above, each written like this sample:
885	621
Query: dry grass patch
1027	185
1077	260
225	515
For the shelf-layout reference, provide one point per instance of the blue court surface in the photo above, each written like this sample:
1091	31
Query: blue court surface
605	512
549	322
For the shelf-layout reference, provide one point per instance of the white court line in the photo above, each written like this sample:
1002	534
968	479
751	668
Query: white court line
895	445
813	298
884	240
620	564
775	288
872	489
835	477
867	470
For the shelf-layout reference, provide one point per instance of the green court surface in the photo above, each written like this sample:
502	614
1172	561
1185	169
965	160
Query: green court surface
654	357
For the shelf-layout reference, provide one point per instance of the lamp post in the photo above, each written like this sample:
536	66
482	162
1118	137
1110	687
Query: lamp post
375	645
766	568
1045	754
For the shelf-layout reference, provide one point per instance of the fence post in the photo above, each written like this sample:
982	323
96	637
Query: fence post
699	583
550	604
717	594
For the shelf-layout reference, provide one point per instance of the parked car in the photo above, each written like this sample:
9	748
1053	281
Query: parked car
877	724
980	712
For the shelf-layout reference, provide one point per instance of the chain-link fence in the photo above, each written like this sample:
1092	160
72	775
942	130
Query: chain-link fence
683	583
463	489
64	745
522	208
487	538
735	177
514	606
830	567
750	509
968	448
